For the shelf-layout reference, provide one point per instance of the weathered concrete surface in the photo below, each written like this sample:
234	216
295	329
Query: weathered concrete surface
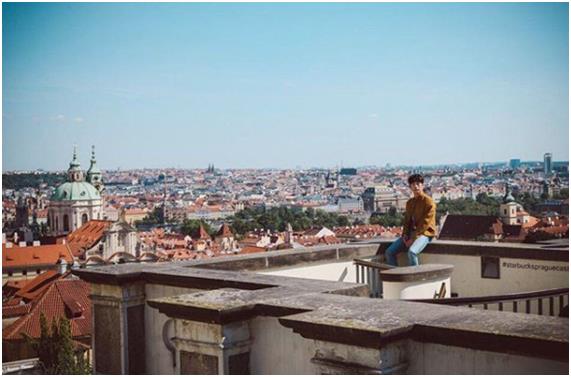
119	274
418	273
376	323
304	306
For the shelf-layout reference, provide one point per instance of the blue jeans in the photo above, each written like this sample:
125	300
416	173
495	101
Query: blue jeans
416	248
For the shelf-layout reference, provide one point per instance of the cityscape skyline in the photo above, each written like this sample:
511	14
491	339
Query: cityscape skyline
85	163
283	85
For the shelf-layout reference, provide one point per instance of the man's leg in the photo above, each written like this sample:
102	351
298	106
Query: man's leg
392	251
416	248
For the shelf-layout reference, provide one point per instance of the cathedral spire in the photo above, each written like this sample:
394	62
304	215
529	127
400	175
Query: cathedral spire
74	173
94	175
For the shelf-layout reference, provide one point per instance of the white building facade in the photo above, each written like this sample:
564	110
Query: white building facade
74	202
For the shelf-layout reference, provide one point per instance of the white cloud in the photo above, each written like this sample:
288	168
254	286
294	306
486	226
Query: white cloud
66	120
373	115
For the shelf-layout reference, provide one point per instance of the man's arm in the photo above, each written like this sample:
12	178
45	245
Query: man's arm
406	221
428	220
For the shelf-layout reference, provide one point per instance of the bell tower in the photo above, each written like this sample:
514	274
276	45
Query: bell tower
94	175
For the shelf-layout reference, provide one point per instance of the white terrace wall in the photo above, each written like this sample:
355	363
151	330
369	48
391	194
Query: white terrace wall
278	350
340	271
516	275
532	275
430	358
159	358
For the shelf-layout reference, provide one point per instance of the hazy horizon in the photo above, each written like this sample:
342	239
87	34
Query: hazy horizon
283	85
85	166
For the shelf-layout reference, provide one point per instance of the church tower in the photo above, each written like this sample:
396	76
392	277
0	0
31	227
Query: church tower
94	175
508	209
74	173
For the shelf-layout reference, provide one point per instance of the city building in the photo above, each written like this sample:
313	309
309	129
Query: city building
103	239
515	163
547	164
349	205
21	262
75	201
382	198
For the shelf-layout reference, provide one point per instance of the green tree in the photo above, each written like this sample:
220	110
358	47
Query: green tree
56	351
387	219
191	227
563	194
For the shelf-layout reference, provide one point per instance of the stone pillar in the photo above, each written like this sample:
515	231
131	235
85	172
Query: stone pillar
203	348
336	358
211	331
118	323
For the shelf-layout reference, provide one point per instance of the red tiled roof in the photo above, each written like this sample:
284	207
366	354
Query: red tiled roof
252	249
10	311
224	231
468	226
32	287
64	298
87	236
202	233
20	257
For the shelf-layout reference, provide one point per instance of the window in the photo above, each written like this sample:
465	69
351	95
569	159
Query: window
490	267
65	223
505	211
83	218
10	273
24	272
38	272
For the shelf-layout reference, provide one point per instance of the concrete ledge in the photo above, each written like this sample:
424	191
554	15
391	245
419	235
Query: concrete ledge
494	249
417	273
376	323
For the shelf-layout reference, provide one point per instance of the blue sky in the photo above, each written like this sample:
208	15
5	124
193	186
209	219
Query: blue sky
283	85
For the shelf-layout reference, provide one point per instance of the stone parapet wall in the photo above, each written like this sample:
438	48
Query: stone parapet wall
234	320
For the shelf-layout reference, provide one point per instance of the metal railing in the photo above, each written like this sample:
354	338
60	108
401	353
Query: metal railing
548	302
369	272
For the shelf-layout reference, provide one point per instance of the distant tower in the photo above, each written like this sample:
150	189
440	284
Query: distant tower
508	209
22	215
94	174
547	164
74	173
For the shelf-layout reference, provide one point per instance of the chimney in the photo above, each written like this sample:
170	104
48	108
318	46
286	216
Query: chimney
9	245
22	244
62	266
36	243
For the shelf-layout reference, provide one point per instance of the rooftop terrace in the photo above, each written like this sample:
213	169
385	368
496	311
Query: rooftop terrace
235	315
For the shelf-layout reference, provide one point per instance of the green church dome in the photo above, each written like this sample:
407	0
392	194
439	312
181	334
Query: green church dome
75	191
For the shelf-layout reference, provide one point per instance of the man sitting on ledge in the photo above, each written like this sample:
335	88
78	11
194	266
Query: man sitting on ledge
419	225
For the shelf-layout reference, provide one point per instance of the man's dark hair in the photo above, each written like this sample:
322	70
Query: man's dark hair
415	178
